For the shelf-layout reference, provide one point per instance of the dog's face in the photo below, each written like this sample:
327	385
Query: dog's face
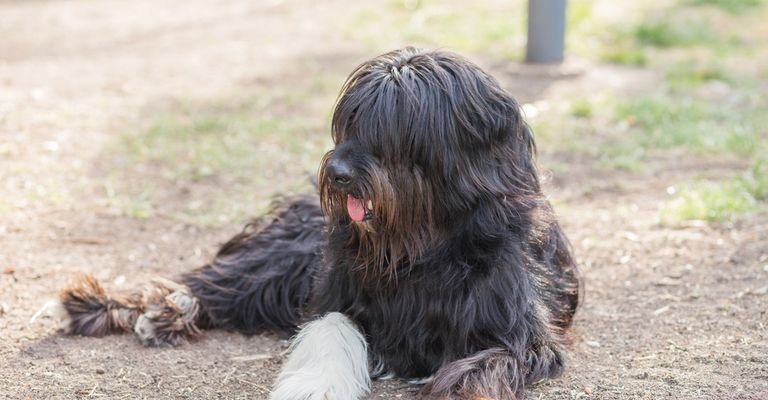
422	139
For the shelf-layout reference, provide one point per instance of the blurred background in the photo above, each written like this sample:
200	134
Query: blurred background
136	136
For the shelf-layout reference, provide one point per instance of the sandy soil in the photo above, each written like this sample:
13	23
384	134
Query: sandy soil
678	313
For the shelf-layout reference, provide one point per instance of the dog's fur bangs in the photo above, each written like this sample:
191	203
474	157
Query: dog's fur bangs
413	109
459	274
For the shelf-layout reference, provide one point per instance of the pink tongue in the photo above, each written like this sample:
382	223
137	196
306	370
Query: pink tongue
355	208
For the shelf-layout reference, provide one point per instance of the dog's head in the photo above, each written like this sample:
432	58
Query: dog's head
423	140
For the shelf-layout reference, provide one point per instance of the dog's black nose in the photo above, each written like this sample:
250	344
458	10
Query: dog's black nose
339	172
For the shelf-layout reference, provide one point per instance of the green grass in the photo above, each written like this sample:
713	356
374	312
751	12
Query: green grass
626	156
717	201
755	180
691	48
562	133
591	37
651	124
711	201
625	55
693	74
581	108
731	6
638	43
198	146
665	122
674	29
231	157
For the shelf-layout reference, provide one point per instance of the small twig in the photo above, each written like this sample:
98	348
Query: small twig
254	357
250	383
226	377
88	240
92	390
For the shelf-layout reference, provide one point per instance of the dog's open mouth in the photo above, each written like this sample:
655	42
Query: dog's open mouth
359	210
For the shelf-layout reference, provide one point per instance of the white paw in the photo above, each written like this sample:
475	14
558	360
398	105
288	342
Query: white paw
328	361
302	385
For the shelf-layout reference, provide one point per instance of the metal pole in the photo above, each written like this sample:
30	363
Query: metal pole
546	31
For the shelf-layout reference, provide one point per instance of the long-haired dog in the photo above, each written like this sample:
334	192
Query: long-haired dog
431	253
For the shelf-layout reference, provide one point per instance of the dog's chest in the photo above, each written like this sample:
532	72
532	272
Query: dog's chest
413	330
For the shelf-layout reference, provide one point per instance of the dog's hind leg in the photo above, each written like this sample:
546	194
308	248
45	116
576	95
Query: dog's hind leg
262	278
171	315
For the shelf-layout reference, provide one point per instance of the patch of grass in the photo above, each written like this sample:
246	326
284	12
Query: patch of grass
731	6
715	201
581	108
674	30
639	43
139	207
222	162
711	201
692	74
135	205
625	56
591	36
755	180
561	134
199	146
664	122
689	111
617	44
624	157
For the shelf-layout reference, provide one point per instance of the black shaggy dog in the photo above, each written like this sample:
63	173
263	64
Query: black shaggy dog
431	253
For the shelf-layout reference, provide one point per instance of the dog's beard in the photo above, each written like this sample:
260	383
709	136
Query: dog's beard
388	214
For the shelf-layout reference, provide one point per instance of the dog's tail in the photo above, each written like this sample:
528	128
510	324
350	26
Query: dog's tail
91	311
164	313
262	278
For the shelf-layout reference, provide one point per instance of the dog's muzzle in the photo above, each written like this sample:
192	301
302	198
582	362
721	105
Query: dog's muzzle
340	174
341	177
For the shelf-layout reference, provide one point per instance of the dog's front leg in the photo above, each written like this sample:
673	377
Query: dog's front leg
328	361
494	374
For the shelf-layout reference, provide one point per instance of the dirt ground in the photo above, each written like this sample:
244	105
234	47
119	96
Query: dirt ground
678	313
